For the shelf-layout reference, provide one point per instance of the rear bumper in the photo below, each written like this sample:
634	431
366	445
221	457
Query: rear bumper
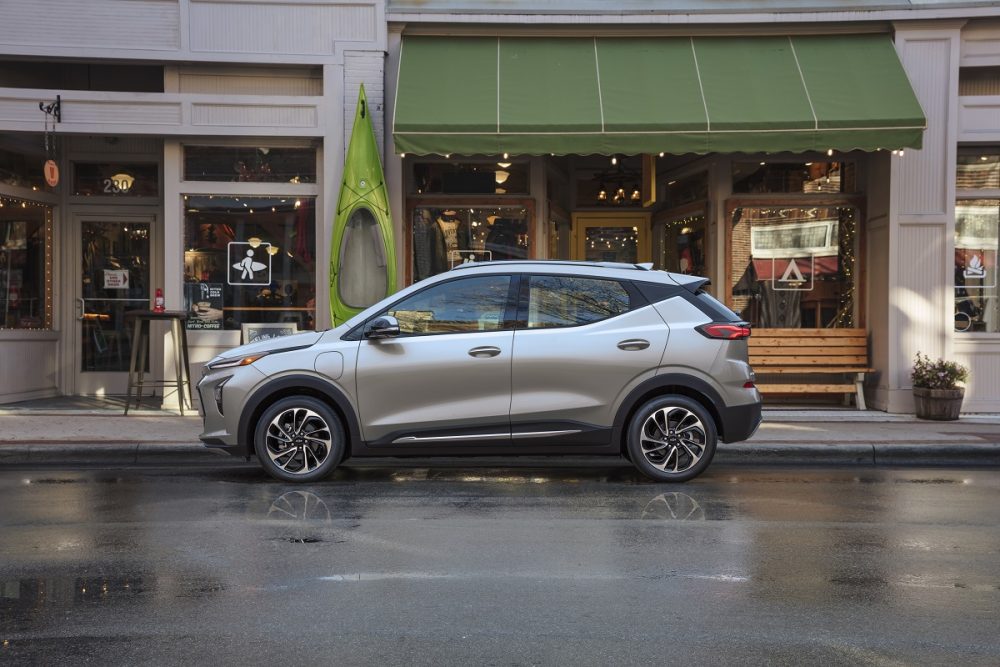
739	422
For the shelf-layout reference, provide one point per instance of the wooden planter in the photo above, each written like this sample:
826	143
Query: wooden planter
938	404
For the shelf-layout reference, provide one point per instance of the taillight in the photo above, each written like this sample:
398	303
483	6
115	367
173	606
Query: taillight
732	331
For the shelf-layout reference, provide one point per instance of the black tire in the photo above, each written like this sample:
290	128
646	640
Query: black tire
671	438
299	439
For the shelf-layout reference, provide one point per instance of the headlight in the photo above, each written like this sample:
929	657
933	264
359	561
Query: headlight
240	361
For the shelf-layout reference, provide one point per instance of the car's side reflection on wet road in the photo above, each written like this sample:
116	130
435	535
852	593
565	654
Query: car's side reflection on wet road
530	564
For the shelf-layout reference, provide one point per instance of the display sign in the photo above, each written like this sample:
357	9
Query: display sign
978	268
456	257
51	173
255	333
106	179
204	305
249	263
116	279
119	184
793	274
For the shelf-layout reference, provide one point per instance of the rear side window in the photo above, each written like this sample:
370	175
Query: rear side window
566	301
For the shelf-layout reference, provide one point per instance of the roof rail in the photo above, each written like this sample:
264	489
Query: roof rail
646	266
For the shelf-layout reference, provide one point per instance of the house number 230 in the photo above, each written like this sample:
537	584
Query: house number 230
118	184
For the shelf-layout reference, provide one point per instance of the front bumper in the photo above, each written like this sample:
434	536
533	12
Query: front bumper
221	422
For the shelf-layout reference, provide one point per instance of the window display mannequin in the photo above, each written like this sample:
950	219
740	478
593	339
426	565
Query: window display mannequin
430	253
456	237
502	240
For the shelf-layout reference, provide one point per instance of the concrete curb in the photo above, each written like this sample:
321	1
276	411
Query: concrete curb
138	453
743	453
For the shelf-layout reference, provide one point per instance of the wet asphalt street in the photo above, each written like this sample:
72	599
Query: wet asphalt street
458	564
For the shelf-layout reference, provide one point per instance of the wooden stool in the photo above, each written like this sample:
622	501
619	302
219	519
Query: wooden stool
140	347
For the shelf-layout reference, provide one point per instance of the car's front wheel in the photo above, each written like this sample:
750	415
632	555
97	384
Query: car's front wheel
671	438
299	439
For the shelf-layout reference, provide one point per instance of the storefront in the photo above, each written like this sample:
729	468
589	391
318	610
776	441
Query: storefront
766	195
203	167
758	147
800	168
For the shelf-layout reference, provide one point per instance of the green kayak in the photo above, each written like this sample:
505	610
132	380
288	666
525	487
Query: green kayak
362	254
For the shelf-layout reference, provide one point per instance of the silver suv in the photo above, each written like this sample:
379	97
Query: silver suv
498	358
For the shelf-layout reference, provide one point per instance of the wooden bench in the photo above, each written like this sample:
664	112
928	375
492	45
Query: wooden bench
817	352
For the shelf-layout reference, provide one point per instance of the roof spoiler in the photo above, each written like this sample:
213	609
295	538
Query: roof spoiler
692	284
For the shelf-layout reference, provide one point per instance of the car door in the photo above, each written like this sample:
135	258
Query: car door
581	345
445	380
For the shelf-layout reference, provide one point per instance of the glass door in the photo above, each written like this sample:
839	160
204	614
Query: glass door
615	237
114	279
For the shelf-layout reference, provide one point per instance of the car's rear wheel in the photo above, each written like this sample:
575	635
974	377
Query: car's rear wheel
671	438
299	439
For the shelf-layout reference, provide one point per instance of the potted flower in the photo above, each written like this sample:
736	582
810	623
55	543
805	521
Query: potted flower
936	393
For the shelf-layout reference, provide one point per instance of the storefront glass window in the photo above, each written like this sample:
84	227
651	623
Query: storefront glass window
679	245
794	267
560	233
23	171
794	177
977	227
470	178
687	189
249	260
25	264
446	236
619	185
230	164
115	180
978	171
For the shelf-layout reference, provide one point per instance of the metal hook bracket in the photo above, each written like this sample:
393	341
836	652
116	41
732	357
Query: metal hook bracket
53	109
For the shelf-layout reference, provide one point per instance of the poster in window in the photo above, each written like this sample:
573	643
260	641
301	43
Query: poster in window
257	332
204	305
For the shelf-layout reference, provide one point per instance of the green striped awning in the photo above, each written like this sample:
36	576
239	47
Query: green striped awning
537	95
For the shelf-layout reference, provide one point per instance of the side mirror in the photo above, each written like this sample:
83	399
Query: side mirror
386	326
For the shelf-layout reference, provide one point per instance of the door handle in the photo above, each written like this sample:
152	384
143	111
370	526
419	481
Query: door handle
484	352
633	344
81	308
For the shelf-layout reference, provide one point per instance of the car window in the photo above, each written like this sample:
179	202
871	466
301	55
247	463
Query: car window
563	301
457	306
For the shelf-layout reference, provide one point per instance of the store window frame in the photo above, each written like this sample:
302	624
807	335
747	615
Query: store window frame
444	201
667	216
181	188
857	202
69	179
260	243
410	179
968	194
49	268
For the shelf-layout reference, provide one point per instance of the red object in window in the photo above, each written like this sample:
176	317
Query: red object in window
733	331
158	302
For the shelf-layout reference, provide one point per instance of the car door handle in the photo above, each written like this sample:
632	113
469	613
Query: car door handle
484	352
633	344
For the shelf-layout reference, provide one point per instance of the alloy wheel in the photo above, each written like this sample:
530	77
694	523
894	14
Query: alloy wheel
298	440
673	439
